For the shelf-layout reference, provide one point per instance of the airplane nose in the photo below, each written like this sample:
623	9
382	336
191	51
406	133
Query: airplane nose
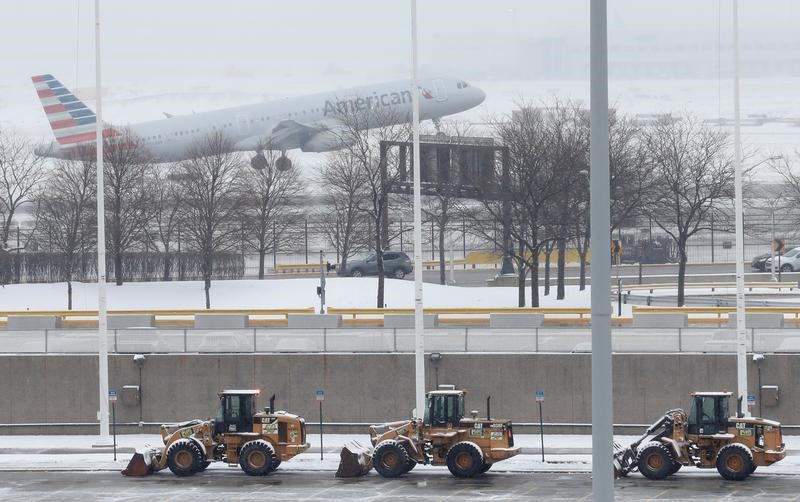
479	97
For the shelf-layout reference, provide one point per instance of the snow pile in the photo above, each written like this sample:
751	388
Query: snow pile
343	292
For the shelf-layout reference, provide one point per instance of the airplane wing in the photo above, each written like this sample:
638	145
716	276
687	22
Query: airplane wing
286	135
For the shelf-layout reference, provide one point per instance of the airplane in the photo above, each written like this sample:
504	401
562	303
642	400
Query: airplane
313	123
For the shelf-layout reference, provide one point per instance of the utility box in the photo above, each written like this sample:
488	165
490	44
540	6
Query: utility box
130	395
770	395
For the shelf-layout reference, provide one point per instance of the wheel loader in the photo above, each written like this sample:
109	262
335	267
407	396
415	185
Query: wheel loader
468	446
706	437
258	441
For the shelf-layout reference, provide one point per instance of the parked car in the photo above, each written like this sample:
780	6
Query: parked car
395	264
789	262
758	262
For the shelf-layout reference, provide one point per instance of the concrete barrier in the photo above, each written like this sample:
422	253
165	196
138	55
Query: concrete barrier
220	321
406	321
516	320
29	322
124	321
315	320
666	320
177	387
759	320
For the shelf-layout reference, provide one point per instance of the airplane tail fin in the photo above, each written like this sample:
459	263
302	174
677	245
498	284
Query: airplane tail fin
73	122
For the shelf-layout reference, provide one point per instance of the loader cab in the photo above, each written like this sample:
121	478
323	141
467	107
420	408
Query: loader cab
709	413
444	408
235	412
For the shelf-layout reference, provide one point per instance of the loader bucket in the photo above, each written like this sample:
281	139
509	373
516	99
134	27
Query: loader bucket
139	466
355	460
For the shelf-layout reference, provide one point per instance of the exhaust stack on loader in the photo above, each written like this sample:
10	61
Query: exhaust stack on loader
706	437
257	441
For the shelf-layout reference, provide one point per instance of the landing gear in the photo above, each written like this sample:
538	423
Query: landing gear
259	162
283	163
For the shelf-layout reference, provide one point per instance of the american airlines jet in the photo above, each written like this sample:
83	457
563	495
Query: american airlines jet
311	123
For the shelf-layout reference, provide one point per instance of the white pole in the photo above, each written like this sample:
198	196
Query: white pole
600	193
772	248
102	312
419	335
741	330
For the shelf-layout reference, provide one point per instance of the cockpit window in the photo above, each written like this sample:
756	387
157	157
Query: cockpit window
462	85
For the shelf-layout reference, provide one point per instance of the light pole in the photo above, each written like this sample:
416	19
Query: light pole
741	330
600	195
102	310
419	335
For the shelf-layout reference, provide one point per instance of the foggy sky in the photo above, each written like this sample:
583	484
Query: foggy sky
146	39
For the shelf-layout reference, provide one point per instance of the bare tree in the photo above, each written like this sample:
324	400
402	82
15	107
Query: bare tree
360	132
66	211
273	202
129	196
210	200
21	174
693	174
166	212
342	183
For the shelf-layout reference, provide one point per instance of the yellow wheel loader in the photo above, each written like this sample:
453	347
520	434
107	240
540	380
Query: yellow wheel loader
467	446
257	441
706	437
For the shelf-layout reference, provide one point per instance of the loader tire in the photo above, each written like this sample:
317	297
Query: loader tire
390	459
465	459
204	465
485	467
676	466
257	458
184	457
275	463
735	462
410	466
655	460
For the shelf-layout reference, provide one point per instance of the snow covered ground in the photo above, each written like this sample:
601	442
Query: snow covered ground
345	292
567	453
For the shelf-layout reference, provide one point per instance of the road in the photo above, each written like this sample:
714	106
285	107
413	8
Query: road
320	486
479	276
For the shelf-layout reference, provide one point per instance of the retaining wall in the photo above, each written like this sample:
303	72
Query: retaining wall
373	387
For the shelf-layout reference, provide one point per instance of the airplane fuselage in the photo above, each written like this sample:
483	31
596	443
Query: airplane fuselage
305	122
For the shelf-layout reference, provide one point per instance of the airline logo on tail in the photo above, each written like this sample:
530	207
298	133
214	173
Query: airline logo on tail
73	122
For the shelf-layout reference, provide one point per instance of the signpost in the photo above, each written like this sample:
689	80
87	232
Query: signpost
112	398
540	400
777	247
320	393
616	252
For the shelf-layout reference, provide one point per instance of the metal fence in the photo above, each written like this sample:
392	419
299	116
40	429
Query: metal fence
34	259
374	340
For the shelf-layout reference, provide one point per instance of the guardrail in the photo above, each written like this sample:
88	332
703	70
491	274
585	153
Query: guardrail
718	311
708	285
400	340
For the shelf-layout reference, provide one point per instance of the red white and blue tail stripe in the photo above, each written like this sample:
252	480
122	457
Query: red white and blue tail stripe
73	122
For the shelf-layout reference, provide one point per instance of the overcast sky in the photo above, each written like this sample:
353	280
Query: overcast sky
145	39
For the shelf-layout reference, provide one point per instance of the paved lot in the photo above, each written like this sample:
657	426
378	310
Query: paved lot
430	485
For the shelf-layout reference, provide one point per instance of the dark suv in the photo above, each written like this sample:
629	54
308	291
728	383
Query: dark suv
395	264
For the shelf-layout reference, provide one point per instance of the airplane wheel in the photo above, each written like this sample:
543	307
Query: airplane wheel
283	163
258	162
